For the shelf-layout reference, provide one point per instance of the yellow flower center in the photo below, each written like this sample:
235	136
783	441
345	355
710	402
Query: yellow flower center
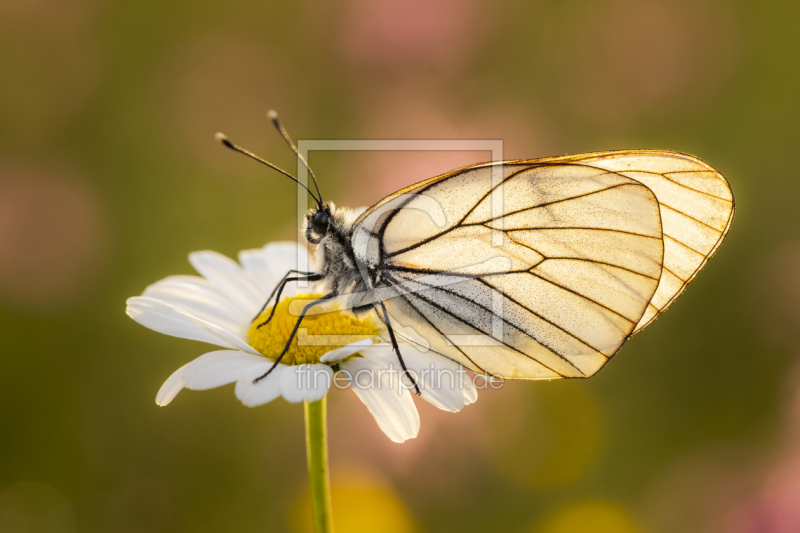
318	333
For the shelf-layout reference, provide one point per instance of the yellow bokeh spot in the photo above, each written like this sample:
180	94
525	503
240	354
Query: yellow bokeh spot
595	516
318	333
362	503
556	439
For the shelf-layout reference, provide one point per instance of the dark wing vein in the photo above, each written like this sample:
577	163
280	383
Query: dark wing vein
440	332
586	228
662	204
679	184
413	270
461	224
501	341
576	293
540	317
547	204
433	183
674	274
596	262
491	190
529	334
701	254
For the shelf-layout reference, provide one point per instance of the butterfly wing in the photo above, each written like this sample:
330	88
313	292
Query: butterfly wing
535	269
697	209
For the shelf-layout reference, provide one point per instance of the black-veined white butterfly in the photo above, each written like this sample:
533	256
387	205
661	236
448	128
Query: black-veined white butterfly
528	269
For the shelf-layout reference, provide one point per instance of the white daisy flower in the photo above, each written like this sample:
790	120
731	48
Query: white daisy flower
219	308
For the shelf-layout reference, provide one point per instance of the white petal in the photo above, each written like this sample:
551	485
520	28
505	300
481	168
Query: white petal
388	401
252	394
171	387
224	337
442	382
208	371
282	257
305	382
152	314
201	299
226	275
215	369
334	356
256	266
470	393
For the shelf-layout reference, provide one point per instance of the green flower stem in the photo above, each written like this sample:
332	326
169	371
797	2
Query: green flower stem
317	453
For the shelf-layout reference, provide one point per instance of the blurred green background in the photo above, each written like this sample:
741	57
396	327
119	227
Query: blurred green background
109	177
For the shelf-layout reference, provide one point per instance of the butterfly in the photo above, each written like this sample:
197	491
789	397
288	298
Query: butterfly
523	269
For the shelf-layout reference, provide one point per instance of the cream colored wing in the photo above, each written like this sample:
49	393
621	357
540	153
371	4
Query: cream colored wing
527	269
697	209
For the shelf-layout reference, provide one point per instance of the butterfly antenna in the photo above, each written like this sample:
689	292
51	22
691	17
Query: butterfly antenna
236	148
273	116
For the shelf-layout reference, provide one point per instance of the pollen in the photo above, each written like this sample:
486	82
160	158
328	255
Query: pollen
319	333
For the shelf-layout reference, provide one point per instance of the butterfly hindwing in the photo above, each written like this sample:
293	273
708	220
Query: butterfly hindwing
696	213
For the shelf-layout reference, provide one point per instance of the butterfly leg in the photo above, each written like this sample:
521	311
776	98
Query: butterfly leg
397	348
308	306
306	276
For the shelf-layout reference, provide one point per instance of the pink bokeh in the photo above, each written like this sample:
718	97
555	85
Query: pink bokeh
415	33
774	505
407	112
53	237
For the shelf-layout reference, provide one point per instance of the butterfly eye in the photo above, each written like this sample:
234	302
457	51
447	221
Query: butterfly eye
320	223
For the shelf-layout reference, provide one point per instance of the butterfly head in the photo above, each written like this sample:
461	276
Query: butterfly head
318	221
